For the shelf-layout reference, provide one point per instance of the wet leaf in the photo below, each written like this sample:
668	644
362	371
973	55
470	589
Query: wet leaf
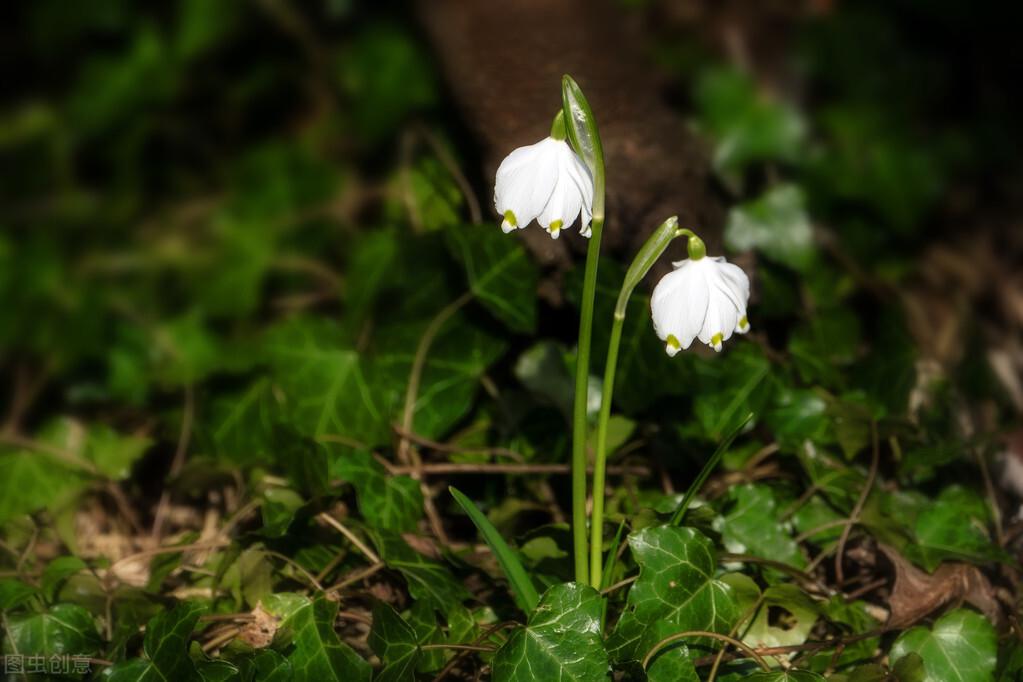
960	646
561	640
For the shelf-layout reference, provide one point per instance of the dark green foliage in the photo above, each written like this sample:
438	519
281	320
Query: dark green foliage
236	239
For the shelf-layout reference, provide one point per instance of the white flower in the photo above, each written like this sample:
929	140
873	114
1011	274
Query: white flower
701	298
545	182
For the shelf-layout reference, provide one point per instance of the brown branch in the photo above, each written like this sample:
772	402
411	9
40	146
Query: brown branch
470	468
188	414
854	517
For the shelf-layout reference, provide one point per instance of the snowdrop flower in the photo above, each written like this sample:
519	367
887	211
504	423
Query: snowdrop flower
546	182
702	298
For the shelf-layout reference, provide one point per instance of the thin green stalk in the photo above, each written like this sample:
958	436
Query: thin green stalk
582	375
581	129
647	256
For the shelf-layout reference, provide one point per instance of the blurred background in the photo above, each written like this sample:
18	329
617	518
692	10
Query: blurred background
180	175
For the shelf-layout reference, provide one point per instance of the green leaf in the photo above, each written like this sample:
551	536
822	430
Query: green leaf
561	640
217	671
320	655
753	526
278	510
304	460
265	666
961	645
390	502
385	76
30	481
502	276
775	224
785	676
825	345
395	642
909	668
543	370
522	587
731	387
58	571
427	580
953	526
64	630
746	124
14	593
786	618
797	416
166	648
676	585
323	383
457	358
238	427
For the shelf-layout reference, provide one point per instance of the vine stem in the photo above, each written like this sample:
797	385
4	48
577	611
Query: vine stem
705	633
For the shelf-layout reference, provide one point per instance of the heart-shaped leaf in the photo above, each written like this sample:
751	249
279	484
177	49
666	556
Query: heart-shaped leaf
961	646
561	641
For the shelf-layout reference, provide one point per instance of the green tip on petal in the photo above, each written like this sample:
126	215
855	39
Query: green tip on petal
555	226
672	345
509	216
743	325
715	341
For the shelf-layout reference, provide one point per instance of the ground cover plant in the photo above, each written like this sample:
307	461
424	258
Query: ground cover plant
290	393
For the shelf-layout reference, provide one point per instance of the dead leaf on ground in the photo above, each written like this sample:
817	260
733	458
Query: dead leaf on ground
260	631
917	593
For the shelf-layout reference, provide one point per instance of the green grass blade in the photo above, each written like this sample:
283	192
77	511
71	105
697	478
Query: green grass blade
522	587
706	470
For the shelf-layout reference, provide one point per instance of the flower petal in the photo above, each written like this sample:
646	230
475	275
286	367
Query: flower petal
526	180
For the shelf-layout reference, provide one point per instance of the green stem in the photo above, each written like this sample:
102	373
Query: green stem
582	375
582	133
647	256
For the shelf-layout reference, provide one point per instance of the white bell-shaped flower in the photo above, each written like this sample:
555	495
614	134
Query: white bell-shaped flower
546	182
702	298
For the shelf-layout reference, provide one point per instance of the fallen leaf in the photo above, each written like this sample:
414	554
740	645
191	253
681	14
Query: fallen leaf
917	593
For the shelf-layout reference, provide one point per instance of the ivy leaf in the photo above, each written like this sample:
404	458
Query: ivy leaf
962	645
501	274
323	382
389	502
785	676
320	655
217	671
676	585
786	619
265	666
14	593
64	630
561	640
30	481
775	224
952	527
427	580
395	642
747	125
304	460
239	426
110	452
57	572
166	648
753	525
457	358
